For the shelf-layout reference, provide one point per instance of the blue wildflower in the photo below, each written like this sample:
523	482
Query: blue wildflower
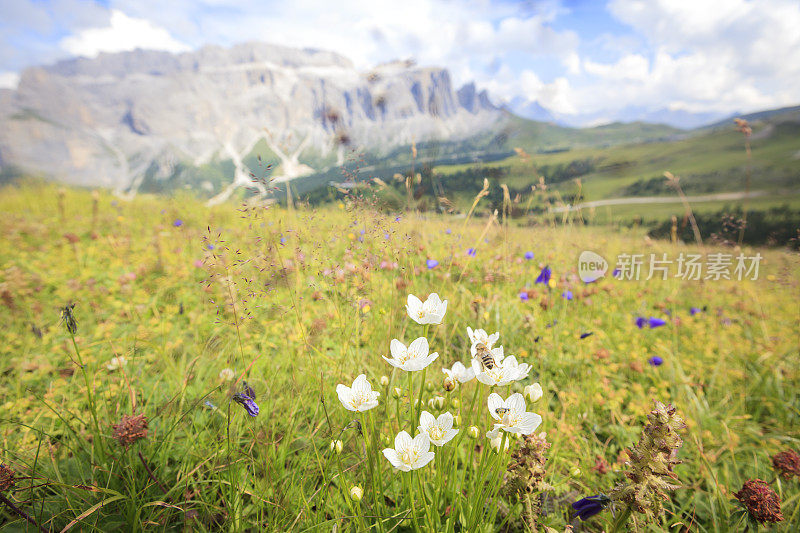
544	275
567	295
209	404
640	322
472	252
528	255
448	231
590	506
656	322
210	247
694	310
432	263
551	324
247	399
178	223
656	361
616	272
589	334
523	296
397	219
283	240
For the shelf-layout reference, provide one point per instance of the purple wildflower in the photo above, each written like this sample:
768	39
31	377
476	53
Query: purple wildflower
178	223
640	322
694	310
432	263
248	403
544	275
448	231
523	296
528	255
656	361
656	322
584	335
567	295
472	252
616	272
590	506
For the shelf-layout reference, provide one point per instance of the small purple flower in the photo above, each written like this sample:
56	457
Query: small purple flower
656	322
588	334
248	403
616	272
590	506
640	322
656	361
472	252
551	324
567	295
448	231
528	255
544	275
523	296
397	219
432	263
362	232
178	223
694	310
210	247
283	240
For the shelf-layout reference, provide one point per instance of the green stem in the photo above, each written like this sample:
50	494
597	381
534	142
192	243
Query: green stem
620	520
89	395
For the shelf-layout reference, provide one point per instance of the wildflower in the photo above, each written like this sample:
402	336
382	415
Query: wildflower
512	415
505	370
448	231
431	263
523	296
544	275
439	430
533	392
651	463
116	362
587	334
130	429
787	464
656	361
496	440
246	401
411	358
360	397
397	392
227	374
448	383
336	446
384	381
356	493
762	503
409	454
528	255
430	312
460	372
694	310
656	322
567	295
590	506
177	223
479	336
640	322
473	432
472	252
7	478
210	405
616	273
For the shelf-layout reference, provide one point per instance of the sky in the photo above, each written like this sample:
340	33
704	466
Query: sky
584	61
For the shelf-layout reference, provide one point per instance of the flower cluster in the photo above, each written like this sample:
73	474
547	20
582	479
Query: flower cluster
130	429
762	503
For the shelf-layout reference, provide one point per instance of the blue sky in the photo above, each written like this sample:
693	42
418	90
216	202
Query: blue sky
585	61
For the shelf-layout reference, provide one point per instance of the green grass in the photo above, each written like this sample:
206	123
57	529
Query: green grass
299	317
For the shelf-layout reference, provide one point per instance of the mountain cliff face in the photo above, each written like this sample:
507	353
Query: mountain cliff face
117	118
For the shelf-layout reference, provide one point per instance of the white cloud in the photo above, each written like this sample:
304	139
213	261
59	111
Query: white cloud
9	80
123	33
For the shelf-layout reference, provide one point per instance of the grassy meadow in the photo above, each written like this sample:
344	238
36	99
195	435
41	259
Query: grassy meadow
169	294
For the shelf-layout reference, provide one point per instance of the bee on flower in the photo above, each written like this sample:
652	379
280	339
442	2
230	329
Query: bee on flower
511	415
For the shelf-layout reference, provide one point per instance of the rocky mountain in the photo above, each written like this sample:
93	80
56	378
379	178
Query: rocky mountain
119	119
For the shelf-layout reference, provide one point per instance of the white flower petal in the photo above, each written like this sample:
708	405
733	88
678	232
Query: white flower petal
516	403
445	421
493	403
529	423
426	419
402	442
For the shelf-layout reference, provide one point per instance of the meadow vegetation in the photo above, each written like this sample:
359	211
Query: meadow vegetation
204	379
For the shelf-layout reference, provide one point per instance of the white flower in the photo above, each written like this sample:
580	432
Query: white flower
460	372
479	336
533	392
360	397
336	446
411	358
226	374
519	371
430	312
496	439
439	430
116	362
512	415
356	493
409	454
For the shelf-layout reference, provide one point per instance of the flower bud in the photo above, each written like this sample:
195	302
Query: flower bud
429	386
356	493
473	432
387	441
455	403
384	381
226	374
575	472
336	446
397	392
448	384
438	402
457	420
416	402
533	392
497	441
